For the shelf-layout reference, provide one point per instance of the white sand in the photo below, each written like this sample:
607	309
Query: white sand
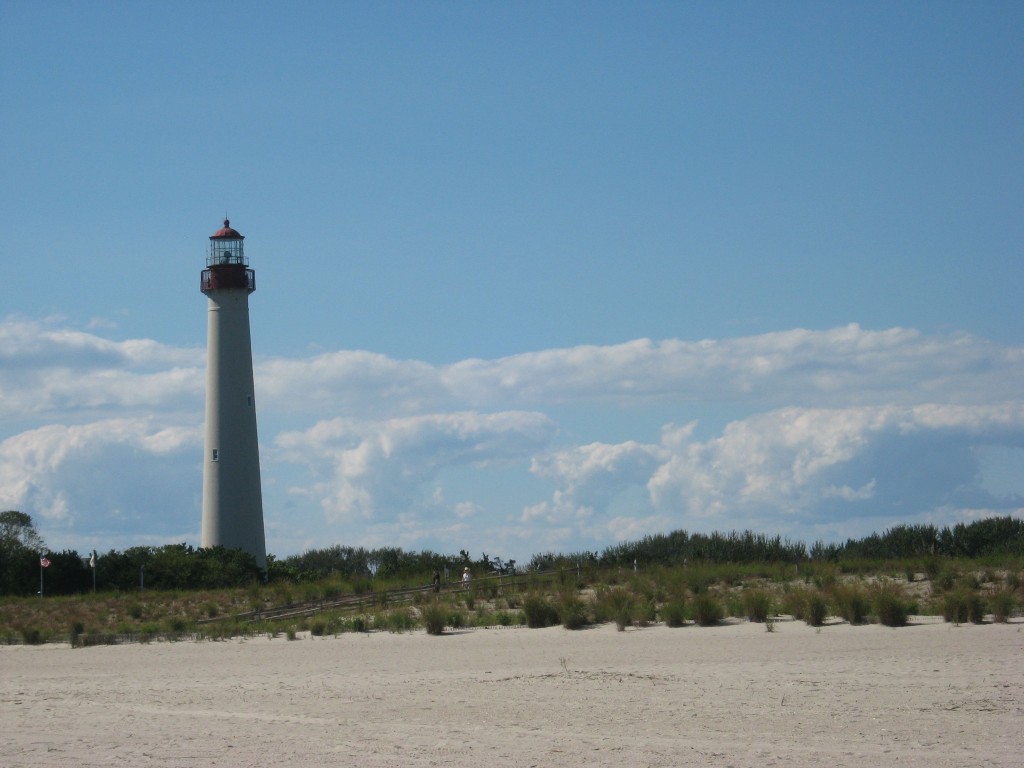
926	695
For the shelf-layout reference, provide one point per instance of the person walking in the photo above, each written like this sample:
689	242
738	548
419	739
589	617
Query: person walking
465	577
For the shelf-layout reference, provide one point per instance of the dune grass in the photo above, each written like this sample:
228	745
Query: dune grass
960	591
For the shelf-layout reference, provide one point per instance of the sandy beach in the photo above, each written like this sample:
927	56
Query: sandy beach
931	694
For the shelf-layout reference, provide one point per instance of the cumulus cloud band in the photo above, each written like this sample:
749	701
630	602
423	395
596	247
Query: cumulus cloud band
842	431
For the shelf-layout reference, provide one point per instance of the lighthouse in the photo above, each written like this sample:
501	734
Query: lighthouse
232	497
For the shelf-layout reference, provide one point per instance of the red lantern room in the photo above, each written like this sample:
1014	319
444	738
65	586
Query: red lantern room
226	267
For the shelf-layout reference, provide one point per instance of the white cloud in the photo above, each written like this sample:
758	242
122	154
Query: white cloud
63	374
841	431
25	343
793	469
347	382
57	371
802	462
113	480
590	476
464	509
838	366
377	469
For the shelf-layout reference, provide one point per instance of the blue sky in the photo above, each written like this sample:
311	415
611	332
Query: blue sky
530	276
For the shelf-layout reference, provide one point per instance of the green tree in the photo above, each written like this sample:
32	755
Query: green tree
68	574
17	527
20	546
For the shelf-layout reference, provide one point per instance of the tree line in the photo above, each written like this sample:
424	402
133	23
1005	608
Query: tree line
981	538
181	566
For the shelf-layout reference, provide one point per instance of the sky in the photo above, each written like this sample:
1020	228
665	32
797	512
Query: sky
531	277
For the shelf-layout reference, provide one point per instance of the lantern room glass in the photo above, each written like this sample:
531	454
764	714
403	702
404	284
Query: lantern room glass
225	251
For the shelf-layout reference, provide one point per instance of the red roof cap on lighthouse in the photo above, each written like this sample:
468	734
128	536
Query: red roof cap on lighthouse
227	233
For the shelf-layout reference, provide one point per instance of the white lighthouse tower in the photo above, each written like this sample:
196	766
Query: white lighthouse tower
232	497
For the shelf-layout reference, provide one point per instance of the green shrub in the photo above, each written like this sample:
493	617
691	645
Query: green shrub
507	618
32	636
734	605
615	604
539	612
932	566
75	634
890	607
331	590
572	613
815	608
946	580
318	628
281	595
646	612
309	593
434	618
403	620
956	606
396	620
673	613
794	602
1003	602
698	580
757	605
975	608
623	619
852	603
361	585
335	625
707	610
825	577
99	639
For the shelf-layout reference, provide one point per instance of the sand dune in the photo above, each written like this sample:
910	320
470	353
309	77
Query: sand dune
930	694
